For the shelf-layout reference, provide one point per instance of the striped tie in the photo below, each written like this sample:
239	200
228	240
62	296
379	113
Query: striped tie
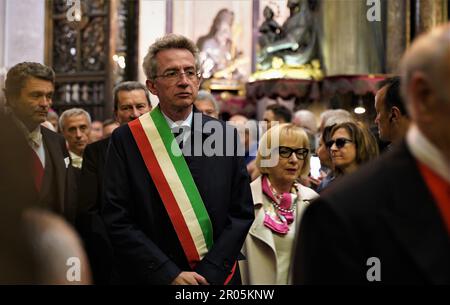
178	134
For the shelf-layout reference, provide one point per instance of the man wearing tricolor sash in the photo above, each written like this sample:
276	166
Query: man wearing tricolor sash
176	213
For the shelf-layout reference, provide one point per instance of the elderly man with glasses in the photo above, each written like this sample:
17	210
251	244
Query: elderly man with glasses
176	216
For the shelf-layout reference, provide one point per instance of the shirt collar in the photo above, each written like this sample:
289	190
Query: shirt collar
34	137
427	153
77	160
177	124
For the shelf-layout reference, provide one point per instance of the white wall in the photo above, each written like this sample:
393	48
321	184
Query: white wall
24	37
2	43
152	25
22	34
2	36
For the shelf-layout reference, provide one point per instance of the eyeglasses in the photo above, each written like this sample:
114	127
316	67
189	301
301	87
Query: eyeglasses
175	75
286	152
340	142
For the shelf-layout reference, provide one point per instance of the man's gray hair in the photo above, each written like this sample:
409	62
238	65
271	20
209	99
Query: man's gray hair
129	86
70	113
335	116
307	120
205	95
170	41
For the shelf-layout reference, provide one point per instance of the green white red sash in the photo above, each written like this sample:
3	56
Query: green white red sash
175	184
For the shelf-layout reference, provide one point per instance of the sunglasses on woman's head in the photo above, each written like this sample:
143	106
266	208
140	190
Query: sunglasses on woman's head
286	152
340	142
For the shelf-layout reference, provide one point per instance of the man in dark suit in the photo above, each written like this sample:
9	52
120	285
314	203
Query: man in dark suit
131	100
29	90
390	222
392	118
17	193
27	255
140	193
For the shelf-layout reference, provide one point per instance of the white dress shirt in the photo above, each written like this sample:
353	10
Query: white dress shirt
427	153
77	160
34	139
186	125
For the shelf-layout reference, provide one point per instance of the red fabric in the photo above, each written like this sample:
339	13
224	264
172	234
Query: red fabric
440	189
38	170
313	90
228	279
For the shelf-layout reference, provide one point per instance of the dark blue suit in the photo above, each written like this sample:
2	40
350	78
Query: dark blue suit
89	224
142	234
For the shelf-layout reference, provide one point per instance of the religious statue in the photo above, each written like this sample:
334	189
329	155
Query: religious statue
295	47
269	29
217	48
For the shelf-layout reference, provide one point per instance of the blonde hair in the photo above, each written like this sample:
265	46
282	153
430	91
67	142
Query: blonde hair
286	132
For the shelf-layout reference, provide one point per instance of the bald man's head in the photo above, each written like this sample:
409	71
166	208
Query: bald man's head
429	56
426	85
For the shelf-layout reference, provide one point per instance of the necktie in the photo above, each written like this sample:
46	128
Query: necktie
38	170
77	161
178	134
35	139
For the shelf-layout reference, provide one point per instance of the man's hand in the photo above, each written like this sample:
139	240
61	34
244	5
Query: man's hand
189	278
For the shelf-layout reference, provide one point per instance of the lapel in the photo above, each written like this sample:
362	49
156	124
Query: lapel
57	159
47	186
258	230
197	137
306	196
415	219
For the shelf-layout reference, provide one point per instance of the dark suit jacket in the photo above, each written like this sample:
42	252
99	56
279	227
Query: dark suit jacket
63	178
92	175
140	229
89	223
17	189
59	186
385	211
17	194
59	181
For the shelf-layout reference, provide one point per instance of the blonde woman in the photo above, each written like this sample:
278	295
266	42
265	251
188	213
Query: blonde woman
279	201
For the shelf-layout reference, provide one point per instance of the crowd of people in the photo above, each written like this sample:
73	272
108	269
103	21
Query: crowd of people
174	195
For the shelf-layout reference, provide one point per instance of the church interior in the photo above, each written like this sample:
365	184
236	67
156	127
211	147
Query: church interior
312	54
323	86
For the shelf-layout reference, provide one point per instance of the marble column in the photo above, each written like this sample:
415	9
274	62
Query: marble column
396	33
350	43
152	25
431	13
24	31
2	46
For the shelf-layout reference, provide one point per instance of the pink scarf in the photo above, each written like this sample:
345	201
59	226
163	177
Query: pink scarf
281	214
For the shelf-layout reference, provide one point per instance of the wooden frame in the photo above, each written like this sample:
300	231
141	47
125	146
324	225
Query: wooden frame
104	74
